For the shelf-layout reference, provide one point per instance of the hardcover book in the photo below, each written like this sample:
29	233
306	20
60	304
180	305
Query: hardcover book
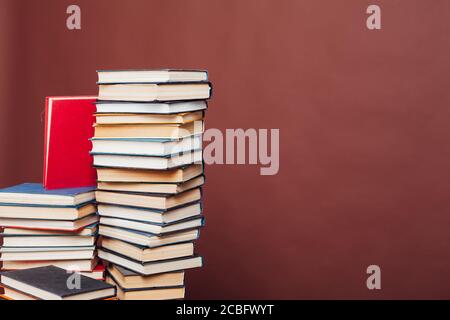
90	230
145	254
150	268
152	76
56	225
68	128
151	216
149	92
156	229
159	293
148	162
166	108
161	188
34	194
178	175
50	283
145	147
131	280
149	201
112	118
148	239
79	265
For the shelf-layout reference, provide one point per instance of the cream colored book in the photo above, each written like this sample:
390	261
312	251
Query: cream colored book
78	265
153	131
50	213
147	239
114	118
145	147
149	201
152	76
128	279
144	254
150	268
150	176
154	92
167	293
168	188
148	162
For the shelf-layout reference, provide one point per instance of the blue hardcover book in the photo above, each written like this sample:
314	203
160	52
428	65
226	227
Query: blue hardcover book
36	194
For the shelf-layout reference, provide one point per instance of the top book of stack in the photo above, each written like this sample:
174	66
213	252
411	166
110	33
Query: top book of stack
154	85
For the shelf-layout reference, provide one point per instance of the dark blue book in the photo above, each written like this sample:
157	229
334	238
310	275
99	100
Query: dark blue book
52	283
36	194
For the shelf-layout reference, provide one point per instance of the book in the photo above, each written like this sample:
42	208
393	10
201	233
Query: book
145	254
147	150
148	92
60	225
149	201
46	212
50	283
145	147
11	294
16	295
128	279
149	131
118	118
156	229
68	127
87	265
148	239
21	297
90	230
161	293
44	254
148	162
149	268
167	108
150	216
162	188
46	241
36	194
157	76
177	175
97	273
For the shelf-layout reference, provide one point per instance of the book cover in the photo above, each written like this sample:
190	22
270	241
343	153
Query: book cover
54	280
38	189
68	127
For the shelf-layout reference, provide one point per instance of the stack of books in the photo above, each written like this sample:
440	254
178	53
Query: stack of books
53	283
148	153
42	227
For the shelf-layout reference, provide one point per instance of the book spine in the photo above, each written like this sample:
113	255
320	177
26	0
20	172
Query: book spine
46	130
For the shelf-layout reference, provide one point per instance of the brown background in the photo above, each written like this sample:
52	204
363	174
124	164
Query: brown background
364	119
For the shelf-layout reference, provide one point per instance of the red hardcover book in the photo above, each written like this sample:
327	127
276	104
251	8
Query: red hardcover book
68	128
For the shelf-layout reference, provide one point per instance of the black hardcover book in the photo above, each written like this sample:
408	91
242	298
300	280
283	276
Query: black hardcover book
53	283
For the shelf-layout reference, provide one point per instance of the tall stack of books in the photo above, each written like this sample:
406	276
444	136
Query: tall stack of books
148	153
39	227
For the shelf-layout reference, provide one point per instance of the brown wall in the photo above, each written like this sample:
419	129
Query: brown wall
364	119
